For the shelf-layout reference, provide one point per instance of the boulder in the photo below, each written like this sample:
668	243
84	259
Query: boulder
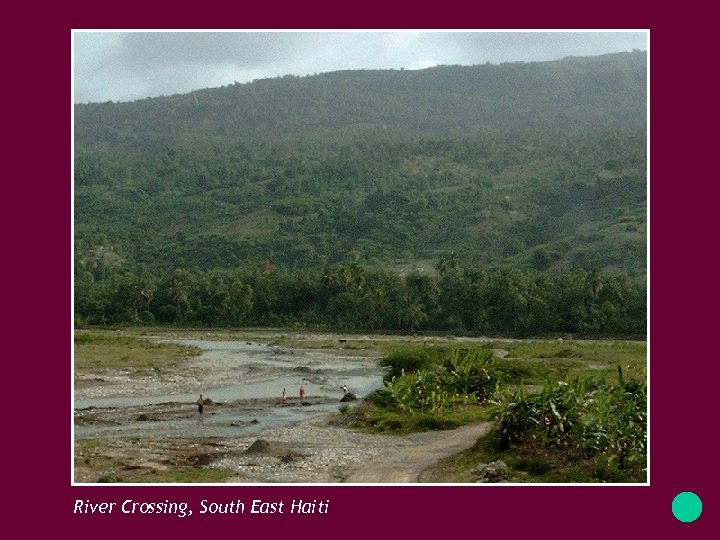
260	446
491	472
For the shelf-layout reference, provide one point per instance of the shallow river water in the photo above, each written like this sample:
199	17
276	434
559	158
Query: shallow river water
230	372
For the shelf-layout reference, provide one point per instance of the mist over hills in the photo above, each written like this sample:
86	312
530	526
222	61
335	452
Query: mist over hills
535	165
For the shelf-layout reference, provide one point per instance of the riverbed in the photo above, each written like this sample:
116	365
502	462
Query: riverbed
241	381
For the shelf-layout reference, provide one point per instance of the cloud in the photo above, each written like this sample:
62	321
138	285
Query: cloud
146	52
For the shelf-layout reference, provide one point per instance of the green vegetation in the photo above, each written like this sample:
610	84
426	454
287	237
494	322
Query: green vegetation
186	475
536	166
591	418
436	388
460	300
590	429
530	463
389	421
104	351
566	360
506	200
488	200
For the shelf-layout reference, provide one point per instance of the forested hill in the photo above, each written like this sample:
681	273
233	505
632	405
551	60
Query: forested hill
534	165
571	95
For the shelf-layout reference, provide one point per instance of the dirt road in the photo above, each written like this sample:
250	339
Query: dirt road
405	464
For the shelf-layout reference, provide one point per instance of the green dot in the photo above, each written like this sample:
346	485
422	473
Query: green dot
686	506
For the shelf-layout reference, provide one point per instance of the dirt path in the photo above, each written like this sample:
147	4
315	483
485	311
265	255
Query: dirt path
405	464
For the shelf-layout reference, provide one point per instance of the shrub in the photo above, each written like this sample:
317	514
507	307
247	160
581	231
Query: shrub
434	421
382	398
460	377
602	421
472	374
407	361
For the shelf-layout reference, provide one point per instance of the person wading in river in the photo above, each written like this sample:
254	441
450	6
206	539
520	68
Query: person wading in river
302	394
200	402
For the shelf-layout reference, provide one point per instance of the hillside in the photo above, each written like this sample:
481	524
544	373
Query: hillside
534	165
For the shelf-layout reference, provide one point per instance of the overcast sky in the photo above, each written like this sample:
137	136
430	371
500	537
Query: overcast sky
124	66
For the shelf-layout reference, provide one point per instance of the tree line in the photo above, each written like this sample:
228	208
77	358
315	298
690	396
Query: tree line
456	299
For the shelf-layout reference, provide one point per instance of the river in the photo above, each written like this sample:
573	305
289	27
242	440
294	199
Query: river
244	382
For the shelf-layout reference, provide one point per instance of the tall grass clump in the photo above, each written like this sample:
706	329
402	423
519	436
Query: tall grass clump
425	382
399	363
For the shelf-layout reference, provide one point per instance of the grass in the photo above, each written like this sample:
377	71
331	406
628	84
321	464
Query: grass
563	360
182	475
110	472
392	422
95	350
373	419
596	350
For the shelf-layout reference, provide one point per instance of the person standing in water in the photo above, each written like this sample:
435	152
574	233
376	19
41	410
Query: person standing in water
200	402
283	399
302	394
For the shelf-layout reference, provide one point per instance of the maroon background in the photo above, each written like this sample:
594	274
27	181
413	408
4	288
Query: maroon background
39	497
